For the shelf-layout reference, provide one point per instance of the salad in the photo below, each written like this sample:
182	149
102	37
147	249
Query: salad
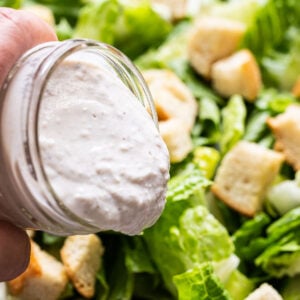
231	225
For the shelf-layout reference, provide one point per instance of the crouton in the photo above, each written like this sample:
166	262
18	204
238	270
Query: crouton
264	292
237	74
177	139
296	88
286	128
82	256
172	98
175	9
176	109
244	175
45	278
212	39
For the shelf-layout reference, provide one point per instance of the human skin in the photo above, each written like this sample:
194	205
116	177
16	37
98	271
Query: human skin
19	31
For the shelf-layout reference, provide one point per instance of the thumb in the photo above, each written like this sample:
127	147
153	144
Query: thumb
14	251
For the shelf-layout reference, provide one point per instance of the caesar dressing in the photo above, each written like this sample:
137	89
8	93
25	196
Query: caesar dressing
80	153
101	151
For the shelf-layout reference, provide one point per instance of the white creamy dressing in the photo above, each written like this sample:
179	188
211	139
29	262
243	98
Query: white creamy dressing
101	151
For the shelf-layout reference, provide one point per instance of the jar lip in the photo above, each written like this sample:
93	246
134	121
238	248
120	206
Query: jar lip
61	50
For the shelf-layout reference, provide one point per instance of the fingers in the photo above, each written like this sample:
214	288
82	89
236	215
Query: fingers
19	31
14	251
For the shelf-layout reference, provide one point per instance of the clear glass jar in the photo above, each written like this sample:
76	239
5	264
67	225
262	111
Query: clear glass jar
26	196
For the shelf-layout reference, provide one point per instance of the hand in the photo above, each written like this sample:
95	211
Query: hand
19	31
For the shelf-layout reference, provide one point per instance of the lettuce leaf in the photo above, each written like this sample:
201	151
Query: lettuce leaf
248	239
233	123
186	233
131	26
67	9
291	288
281	67
238	285
284	196
200	283
11	3
273	247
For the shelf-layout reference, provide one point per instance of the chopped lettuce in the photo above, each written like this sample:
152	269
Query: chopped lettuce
186	233
131	26
256	126
291	288
274	247
64	30
238	285
67	9
188	186
282	66
248	239
284	196
11	3
233	123
200	283
273	101
207	159
206	130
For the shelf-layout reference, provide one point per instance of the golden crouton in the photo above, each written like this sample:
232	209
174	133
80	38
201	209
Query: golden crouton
237	74
244	175
45	278
172	98
176	109
264	292
296	88
177	139
82	256
286	128
176	9
212	39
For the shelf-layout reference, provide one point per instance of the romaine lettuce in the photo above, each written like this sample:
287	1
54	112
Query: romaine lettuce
131	26
284	196
11	3
186	233
281	66
200	283
233	123
273	247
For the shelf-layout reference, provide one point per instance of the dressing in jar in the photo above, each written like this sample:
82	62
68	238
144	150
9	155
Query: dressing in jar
80	151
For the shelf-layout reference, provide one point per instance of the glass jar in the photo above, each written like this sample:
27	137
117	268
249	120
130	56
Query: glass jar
26	196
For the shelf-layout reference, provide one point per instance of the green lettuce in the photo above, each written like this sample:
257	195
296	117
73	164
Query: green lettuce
256	127
233	123
248	239
285	195
238	285
272	247
200	283
290	289
67	9
207	159
11	3
206	130
131	26
281	66
186	233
